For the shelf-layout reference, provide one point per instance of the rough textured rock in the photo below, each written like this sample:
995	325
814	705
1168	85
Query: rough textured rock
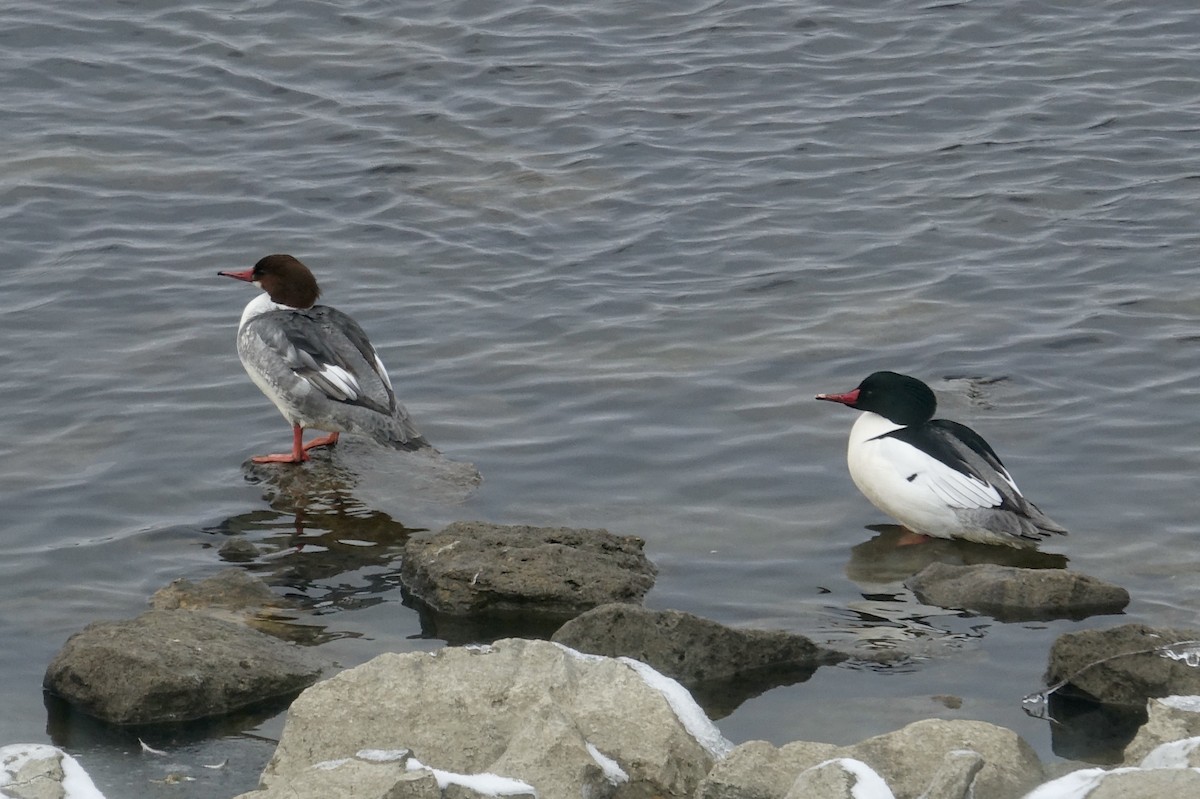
722	666
228	590
1009	593
528	710
1122	665
39	771
935	756
175	665
911	758
759	770
1122	784
1148	784
474	567
238	550
832	779
955	779
1174	719
689	648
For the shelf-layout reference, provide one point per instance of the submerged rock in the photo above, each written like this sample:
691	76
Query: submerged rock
721	665
169	666
227	590
1126	664
565	723
478	568
1008	593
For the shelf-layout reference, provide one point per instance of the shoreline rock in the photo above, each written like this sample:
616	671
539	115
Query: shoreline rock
171	666
722	666
1010	593
477	568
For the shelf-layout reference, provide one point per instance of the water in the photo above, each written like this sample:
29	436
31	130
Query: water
609	253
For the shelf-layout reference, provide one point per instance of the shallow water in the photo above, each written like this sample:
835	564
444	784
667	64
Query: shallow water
609	254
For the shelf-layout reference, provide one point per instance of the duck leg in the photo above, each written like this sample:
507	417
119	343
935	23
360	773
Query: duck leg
297	455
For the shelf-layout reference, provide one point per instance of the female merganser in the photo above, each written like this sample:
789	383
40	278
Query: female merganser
936	477
315	363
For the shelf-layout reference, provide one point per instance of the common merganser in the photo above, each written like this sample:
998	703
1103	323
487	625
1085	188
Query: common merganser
315	363
936	477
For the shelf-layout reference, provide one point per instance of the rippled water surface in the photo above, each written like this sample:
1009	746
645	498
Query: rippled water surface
609	252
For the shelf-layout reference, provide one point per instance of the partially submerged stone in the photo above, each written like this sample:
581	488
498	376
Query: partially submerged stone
721	665
227	590
1009	593
169	666
1127	664
478	568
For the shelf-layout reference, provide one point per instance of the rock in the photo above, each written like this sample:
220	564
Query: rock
1008	593
565	723
1171	719
955	779
1123	665
38	771
914	758
175	665
238	550
759	770
1148	784
688	648
229	589
714	661
1096	783
936	759
840	778
477	568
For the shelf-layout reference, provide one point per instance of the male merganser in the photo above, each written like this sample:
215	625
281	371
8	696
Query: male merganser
936	477
315	363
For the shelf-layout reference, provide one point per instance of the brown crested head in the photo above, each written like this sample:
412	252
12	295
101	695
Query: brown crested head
286	280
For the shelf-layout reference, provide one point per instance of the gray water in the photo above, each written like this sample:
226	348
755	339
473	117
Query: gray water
609	252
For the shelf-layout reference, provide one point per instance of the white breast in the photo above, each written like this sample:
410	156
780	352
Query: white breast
907	484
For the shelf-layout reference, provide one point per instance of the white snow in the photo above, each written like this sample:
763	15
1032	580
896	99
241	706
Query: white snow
1171	755
611	768
382	755
686	710
867	782
1076	785
330	765
76	783
1191	704
489	784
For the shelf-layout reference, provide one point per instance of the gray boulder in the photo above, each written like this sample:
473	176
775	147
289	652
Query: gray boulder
175	665
839	778
1097	783
232	590
722	666
934	759
1148	784
759	770
471	568
39	771
565	723
1127	664
922	754
1008	593
1172	719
